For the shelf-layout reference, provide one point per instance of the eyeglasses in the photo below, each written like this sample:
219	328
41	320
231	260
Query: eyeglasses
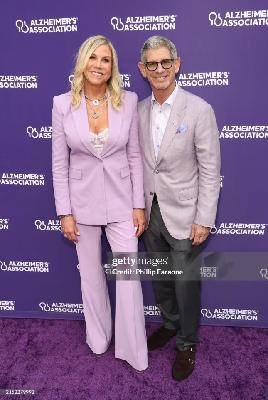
153	65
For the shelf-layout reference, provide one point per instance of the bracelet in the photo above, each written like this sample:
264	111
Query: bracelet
63	216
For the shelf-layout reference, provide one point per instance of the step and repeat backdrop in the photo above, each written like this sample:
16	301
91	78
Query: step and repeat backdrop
223	48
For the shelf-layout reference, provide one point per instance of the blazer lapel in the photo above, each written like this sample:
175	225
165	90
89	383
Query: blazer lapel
146	128
114	126
176	116
81	124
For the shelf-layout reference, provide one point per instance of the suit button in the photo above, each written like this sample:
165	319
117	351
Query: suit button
151	193
156	171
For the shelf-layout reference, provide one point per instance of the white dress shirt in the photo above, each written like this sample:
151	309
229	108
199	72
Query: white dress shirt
159	118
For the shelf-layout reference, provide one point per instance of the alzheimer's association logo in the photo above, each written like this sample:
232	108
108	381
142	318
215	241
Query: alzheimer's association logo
4	223
56	307
50	225
44	132
205	312
145	23
44	306
24	266
215	19
7	305
244	132
117	24
208	78
47	25
22	26
230	313
264	273
151	310
22	179
125	80
239	228
238	19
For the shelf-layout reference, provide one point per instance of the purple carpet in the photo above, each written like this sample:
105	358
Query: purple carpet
51	357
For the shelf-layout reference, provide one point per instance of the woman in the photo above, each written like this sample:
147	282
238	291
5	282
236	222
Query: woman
97	177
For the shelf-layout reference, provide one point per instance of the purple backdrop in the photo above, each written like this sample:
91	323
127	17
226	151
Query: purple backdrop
224	59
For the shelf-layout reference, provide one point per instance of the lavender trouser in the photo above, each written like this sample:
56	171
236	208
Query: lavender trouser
130	335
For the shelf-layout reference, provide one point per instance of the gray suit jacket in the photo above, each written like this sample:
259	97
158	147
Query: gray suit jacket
186	174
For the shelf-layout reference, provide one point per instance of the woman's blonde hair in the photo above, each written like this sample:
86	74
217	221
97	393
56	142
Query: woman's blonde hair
85	51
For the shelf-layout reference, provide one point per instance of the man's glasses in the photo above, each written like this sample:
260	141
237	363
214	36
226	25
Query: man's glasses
153	65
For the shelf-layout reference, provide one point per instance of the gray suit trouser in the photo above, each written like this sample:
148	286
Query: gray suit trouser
178	298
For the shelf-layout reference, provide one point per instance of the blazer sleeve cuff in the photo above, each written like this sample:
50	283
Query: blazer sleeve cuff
139	202
205	223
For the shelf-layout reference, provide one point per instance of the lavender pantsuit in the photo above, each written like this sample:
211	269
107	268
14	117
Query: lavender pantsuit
102	190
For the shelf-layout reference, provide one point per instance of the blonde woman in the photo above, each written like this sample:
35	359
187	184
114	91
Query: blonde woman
97	177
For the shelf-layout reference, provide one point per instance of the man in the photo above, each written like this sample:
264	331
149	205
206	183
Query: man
181	157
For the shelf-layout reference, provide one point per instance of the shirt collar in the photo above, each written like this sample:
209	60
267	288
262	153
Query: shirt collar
170	99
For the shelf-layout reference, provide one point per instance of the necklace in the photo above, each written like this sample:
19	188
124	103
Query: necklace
95	109
96	102
95	114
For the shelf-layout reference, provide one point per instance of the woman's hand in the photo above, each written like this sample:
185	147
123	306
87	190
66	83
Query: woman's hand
69	228
139	220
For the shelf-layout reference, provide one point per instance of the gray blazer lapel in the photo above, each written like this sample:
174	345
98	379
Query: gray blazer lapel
176	116
146	129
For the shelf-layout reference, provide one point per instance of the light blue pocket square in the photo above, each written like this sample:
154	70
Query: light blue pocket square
182	128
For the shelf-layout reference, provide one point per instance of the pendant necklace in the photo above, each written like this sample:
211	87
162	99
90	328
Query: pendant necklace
96	103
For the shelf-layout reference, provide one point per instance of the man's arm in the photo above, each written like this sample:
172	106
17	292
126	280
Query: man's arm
207	149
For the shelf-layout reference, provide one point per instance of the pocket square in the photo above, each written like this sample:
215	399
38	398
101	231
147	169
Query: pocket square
182	128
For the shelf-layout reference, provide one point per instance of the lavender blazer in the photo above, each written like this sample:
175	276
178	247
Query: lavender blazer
96	189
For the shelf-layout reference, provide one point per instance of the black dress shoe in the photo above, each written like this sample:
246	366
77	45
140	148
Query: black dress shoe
160	337
184	364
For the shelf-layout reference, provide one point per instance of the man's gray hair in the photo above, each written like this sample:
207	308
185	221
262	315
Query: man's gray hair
155	42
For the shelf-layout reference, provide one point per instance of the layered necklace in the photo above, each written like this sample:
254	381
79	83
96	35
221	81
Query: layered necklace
96	106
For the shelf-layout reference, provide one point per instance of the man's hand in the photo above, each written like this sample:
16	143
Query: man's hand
69	228
199	234
139	220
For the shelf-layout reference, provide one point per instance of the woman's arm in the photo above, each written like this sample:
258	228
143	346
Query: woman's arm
60	162
60	171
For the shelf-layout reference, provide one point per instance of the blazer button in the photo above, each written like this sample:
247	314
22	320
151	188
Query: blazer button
156	171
